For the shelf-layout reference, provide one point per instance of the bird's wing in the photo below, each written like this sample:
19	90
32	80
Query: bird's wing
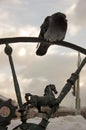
43	47
44	27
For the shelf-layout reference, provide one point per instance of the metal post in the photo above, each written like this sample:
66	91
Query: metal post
8	51
77	89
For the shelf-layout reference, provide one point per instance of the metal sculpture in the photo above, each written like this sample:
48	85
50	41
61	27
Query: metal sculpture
40	101
50	90
54	103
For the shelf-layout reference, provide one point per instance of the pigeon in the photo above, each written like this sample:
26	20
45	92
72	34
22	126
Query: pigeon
53	29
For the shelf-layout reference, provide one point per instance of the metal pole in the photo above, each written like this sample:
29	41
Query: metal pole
67	87
8	51
77	89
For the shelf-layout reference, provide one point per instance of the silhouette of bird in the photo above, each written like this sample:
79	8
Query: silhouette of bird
53	29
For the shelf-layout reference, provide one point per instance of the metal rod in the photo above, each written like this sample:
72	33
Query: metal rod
77	89
35	39
66	88
70	82
8	51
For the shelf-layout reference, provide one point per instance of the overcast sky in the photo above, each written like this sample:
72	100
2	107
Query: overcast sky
24	18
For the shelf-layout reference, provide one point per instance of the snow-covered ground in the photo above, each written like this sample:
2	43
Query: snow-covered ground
60	123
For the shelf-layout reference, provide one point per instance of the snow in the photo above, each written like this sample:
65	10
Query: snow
60	123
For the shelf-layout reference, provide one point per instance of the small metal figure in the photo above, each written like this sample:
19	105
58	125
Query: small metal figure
39	101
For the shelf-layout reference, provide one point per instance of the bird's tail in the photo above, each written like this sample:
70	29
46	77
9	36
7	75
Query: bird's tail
42	48
38	45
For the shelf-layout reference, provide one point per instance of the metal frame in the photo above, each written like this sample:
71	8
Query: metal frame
44	122
35	39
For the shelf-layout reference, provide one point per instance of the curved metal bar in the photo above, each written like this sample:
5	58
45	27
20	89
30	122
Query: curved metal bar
35	39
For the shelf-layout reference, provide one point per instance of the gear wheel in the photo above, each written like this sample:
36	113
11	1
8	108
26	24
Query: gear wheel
7	110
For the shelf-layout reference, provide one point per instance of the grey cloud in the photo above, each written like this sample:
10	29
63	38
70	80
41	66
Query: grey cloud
30	12
80	18
77	12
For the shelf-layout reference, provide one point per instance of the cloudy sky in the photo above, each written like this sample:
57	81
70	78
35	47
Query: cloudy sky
23	18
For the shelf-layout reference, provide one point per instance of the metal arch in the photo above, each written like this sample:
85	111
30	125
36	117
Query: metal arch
35	39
